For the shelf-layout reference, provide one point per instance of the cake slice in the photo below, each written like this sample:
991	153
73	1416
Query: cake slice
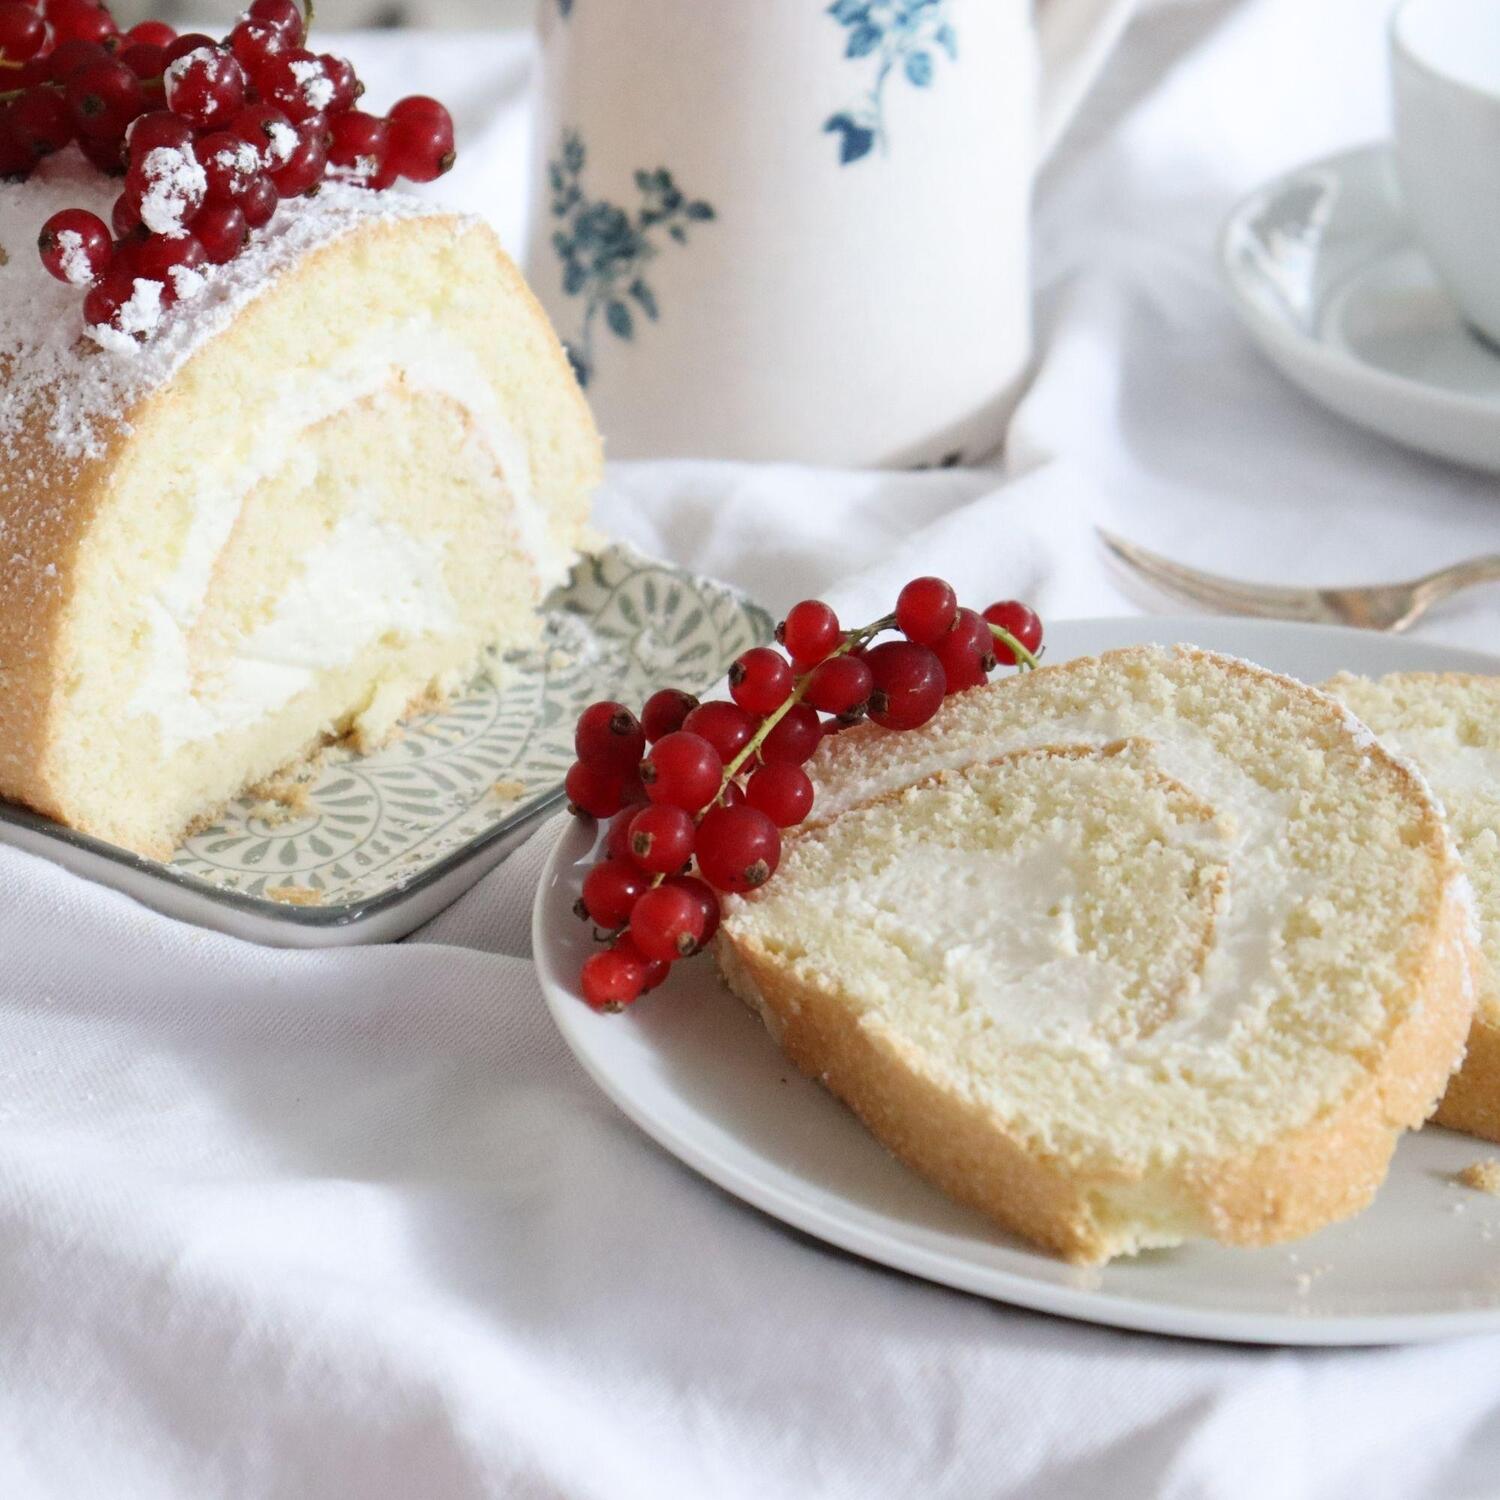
308	502
1449	724
1136	950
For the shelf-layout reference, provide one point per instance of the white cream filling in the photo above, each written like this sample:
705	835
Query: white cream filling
321	623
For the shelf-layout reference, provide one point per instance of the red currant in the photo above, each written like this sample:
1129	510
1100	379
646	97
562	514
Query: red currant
67	58
281	16
80	21
173	260
41	122
23	32
75	246
783	793
296	83
1021	622
654	969
684	770
222	229
738	848
842	685
206	87
794	738
230	164
158	128
610	891
16	159
125	218
360	146
254	45
926	610
107	296
609	738
105	153
145	61
909	684
304	170
810	633
708	903
346	85
726	726
661	838
761	680
260	202
613	979
967	652
151	34
667	923
594	793
267	129
192	41
421	140
665	712
617	838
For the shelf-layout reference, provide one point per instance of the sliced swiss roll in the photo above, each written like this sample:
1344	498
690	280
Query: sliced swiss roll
1449	724
308	501
1135	950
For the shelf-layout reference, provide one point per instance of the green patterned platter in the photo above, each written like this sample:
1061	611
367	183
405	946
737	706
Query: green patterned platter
375	845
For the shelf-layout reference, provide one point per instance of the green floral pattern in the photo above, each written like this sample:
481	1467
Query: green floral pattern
622	627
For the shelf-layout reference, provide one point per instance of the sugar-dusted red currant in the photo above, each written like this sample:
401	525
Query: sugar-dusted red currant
665	712
281	16
909	684
159	127
926	610
304	169
667	923
684	770
254	45
738	848
108	295
610	890
794	738
360	146
206	87
23	32
783	793
222	230
726	726
609	737
169	186
421	148
230	164
841	685
260	202
190	41
1021	621
151	34
297	83
654	969
661	838
967	652
594	793
346	85
810	633
708	903
80	21
174	260
267	129
41	122
760	680
75	246
104	98
613	979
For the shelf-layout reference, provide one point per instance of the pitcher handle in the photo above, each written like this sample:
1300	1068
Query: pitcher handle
1076	36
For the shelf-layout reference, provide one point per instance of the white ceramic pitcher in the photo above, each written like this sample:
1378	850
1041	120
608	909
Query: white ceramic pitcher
798	230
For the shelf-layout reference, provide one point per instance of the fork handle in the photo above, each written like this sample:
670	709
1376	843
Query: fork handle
1448	581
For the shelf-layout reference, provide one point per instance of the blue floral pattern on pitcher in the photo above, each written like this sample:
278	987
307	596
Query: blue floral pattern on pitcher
897	34
604	249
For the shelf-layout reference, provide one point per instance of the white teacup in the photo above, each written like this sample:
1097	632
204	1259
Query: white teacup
797	229
1446	77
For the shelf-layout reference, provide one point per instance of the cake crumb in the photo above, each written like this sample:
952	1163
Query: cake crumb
1482	1176
296	895
281	802
508	789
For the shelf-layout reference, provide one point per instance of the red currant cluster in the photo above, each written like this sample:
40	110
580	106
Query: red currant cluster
208	135
702	812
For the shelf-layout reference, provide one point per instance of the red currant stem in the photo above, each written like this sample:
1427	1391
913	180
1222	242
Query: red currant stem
309	12
1022	655
5	62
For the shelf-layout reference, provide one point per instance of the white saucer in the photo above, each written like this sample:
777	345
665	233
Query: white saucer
698	1073
1326	273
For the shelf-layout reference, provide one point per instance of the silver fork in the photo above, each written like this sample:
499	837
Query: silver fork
1387	606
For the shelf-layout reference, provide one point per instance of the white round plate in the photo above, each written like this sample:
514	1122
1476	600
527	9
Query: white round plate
1326	274
695	1070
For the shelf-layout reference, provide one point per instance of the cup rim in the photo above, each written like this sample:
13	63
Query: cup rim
1400	48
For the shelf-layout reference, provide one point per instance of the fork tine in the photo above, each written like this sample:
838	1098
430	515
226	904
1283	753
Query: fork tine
1228	595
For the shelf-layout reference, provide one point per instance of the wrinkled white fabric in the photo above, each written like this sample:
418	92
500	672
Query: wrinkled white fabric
354	1224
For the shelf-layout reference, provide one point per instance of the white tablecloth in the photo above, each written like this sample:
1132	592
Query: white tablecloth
354	1224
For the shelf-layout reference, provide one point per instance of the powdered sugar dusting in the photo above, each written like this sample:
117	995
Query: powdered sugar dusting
281	142
175	186
84	391
75	264
312	78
